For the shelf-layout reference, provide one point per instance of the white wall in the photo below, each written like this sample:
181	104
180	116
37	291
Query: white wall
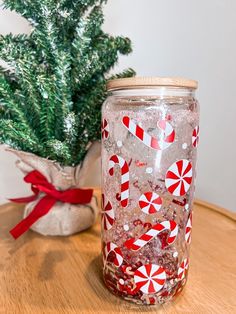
188	38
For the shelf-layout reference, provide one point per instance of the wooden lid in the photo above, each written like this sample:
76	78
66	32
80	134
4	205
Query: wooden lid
150	82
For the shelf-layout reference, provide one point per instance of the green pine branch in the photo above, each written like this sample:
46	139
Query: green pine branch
18	136
124	74
53	88
27	8
101	58
59	151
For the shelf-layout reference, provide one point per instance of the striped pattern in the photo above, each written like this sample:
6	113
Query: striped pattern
171	226
179	177
124	169
108	215
183	269
188	230
111	247
150	203
150	278
195	137
167	136
105	129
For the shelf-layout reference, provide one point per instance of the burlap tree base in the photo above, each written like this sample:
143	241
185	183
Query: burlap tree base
63	218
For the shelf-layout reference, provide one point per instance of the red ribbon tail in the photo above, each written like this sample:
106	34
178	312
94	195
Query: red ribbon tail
40	210
27	199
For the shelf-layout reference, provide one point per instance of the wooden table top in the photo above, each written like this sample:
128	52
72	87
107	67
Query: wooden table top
63	275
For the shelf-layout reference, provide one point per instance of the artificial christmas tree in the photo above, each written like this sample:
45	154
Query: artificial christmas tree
52	87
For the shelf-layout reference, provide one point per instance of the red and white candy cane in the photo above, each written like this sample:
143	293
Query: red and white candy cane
152	233
150	278
188	229
195	137
166	139
124	168
105	129
183	269
111	247
108	215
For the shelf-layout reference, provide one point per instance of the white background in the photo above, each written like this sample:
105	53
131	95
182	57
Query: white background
189	38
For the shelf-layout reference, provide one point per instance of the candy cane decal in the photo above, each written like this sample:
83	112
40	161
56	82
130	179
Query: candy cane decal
108	215
111	247
152	233
166	139
183	269
124	168
188	229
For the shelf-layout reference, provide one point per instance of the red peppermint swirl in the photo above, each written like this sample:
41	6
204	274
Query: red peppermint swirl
150	278
150	203
179	177
105	129
195	137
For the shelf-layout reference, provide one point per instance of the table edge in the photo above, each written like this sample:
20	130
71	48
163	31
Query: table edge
220	210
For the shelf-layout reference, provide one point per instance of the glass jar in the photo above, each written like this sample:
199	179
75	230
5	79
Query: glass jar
150	132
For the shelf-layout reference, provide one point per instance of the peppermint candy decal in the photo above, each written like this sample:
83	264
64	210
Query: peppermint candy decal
124	169
105	129
183	269
108	215
150	278
167	136
195	137
179	177
150	203
188	229
111	247
152	233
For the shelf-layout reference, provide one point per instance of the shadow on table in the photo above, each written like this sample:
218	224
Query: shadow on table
10	215
50	261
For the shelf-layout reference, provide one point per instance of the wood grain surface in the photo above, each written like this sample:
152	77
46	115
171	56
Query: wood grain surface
63	275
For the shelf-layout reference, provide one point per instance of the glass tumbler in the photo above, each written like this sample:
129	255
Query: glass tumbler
150	134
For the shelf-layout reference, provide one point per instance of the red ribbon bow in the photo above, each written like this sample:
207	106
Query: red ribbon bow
40	184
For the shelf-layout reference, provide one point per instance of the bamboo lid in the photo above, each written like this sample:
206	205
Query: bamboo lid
150	82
